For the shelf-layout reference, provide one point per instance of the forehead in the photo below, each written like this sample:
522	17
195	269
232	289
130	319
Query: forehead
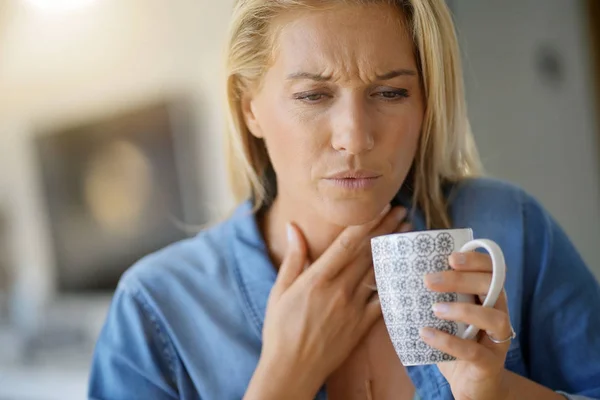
346	41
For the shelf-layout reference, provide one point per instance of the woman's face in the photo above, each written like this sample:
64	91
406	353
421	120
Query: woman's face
340	110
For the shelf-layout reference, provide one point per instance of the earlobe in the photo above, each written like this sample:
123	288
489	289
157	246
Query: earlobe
249	114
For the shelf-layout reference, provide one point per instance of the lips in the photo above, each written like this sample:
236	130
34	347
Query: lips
353	179
355	174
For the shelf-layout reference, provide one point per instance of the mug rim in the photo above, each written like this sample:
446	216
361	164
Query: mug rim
431	231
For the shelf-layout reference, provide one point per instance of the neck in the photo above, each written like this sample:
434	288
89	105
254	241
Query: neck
317	232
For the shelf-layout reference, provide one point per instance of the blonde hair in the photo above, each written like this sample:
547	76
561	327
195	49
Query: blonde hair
446	151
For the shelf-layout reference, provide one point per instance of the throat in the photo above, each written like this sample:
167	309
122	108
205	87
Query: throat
317	234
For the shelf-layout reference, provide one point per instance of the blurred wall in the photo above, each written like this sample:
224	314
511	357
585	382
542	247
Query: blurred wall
531	101
58	67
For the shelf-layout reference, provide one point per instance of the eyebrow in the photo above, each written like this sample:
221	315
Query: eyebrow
308	75
396	73
323	78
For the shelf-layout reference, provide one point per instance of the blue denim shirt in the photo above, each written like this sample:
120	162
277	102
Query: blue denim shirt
185	322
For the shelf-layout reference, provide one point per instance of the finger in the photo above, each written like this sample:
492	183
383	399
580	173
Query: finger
501	306
502	303
491	320
353	273
471	261
391	224
372	313
405	227
345	244
293	261
459	282
345	247
367	287
462	349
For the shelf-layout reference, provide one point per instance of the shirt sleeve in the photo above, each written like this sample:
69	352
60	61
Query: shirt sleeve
562	310
133	358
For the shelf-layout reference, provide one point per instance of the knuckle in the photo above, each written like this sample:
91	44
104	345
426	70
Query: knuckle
346	241
473	352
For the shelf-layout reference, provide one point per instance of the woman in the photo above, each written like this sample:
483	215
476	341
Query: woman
348	121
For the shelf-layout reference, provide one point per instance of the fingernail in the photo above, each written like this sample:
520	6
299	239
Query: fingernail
459	258
440	308
291	235
434	278
427	333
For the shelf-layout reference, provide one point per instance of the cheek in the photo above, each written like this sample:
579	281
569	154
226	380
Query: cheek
291	140
400	142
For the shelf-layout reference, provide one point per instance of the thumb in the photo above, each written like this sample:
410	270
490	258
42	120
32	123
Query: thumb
294	261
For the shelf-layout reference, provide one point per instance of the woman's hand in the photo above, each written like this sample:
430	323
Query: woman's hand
316	317
478	373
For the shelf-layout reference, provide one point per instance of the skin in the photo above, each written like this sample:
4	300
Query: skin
343	92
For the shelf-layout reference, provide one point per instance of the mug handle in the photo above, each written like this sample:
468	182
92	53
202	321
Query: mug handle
498	276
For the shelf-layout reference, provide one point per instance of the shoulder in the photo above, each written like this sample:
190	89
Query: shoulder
150	314
198	263
501	211
485	189
493	198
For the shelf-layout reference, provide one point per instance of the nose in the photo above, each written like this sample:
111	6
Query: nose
352	128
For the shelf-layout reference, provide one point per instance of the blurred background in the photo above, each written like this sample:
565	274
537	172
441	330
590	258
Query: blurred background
111	124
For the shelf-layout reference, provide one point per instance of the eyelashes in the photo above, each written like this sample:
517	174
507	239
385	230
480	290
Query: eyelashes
392	94
383	94
311	98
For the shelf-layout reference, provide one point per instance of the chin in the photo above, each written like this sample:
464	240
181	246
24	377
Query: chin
352	212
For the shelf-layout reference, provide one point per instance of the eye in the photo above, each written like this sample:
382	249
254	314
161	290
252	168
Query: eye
311	97
390	95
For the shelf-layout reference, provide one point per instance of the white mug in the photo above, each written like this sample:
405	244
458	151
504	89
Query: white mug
401	261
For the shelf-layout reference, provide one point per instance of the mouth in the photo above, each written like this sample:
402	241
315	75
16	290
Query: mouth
354	180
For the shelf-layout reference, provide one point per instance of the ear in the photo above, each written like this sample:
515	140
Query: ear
249	113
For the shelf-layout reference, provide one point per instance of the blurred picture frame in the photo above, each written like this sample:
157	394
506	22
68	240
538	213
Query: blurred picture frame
112	193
